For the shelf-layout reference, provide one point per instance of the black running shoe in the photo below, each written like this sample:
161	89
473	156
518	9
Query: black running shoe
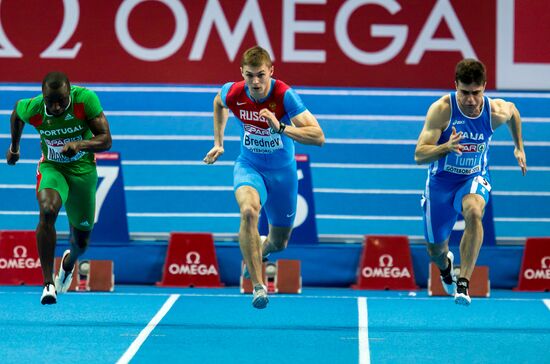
448	278
462	297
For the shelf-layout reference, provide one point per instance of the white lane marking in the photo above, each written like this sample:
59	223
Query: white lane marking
314	165
398	296
228	138
136	344
304	91
319	216
546	302
364	350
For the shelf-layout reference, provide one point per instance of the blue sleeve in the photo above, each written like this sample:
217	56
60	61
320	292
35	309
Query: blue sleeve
224	91
293	103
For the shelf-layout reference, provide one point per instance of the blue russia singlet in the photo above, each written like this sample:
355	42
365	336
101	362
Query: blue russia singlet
477	133
260	145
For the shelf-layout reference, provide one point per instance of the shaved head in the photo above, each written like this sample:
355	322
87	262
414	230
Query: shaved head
56	81
56	90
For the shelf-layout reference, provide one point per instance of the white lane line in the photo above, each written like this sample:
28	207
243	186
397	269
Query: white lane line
398	296
349	117
183	214
318	216
304	91
355	191
314	165
364	350
229	138
546	302
134	347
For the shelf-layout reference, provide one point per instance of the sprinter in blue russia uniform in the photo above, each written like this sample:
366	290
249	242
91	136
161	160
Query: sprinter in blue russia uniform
272	117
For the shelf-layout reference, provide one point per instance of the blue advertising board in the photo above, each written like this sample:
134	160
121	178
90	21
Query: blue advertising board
111	224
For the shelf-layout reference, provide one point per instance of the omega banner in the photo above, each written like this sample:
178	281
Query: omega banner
363	43
19	262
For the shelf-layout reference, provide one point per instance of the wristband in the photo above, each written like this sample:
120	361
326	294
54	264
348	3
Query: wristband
282	127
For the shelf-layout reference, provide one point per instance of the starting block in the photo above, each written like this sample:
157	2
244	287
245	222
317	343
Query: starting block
91	275
480	285
283	276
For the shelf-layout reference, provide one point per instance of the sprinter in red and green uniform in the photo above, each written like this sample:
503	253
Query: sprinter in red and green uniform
72	126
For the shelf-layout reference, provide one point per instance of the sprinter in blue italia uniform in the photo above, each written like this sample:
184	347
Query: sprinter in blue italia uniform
271	116
455	142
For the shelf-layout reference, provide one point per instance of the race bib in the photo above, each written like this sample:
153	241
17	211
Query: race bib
55	146
262	141
467	163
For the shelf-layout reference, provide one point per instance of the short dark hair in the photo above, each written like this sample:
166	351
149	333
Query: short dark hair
256	57
470	71
55	81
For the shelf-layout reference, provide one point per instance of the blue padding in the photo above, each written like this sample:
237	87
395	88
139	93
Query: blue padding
324	265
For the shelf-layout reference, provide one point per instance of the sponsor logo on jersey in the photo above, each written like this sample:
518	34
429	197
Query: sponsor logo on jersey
252	129
62	142
473	148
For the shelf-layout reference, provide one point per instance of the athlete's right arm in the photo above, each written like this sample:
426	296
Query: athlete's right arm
436	122
12	155
221	114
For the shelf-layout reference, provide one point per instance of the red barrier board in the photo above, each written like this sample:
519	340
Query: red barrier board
413	43
480	285
191	261
19	262
534	274
386	264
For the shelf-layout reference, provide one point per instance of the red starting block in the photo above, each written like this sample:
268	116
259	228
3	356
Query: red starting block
480	285
91	275
283	276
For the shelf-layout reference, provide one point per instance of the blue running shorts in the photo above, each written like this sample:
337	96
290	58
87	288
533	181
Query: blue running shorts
278	189
442	202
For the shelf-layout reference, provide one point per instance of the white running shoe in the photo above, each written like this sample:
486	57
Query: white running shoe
449	281
63	279
260	299
49	296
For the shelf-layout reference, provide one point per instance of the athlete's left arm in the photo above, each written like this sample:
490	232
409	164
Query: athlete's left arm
101	141
506	112
305	128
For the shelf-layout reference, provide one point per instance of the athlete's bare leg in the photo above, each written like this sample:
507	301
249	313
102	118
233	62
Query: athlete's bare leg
438	254
50	203
277	240
79	244
472	210
249	237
